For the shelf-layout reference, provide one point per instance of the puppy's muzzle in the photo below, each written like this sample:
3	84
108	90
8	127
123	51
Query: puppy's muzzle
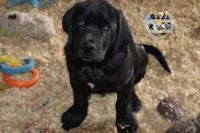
87	51
88	46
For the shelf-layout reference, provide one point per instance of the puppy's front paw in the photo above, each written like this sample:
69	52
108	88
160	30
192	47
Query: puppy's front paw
72	118
127	128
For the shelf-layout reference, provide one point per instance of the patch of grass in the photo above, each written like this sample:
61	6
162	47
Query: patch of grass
5	32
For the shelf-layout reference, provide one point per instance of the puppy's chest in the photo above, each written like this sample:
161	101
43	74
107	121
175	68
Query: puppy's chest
93	75
97	79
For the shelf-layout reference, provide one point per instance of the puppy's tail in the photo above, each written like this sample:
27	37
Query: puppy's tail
157	54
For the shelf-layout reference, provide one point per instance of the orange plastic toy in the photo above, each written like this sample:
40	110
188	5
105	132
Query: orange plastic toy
22	84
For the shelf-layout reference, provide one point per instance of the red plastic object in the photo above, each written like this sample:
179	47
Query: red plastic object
22	84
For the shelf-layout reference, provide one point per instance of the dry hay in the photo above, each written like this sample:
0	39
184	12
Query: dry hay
42	105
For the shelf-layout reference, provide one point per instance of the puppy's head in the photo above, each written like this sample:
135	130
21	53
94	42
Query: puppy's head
95	27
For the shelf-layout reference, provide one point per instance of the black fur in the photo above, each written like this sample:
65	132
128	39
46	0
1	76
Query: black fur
103	58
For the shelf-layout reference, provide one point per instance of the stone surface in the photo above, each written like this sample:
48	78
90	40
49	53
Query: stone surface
170	109
181	119
190	125
28	24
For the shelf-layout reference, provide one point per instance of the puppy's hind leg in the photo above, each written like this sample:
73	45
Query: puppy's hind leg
136	103
75	115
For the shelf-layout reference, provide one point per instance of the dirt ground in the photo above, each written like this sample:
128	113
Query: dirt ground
40	107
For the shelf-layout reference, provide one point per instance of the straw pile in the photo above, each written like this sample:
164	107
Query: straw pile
41	107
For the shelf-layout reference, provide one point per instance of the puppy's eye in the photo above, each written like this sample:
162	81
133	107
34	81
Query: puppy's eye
106	27
81	22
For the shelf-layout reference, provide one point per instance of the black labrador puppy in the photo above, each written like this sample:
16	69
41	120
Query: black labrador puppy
103	58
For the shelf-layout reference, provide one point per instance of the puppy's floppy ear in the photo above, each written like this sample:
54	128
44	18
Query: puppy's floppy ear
67	20
124	36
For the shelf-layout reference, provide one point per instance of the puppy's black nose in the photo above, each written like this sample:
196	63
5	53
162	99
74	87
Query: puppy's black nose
88	46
